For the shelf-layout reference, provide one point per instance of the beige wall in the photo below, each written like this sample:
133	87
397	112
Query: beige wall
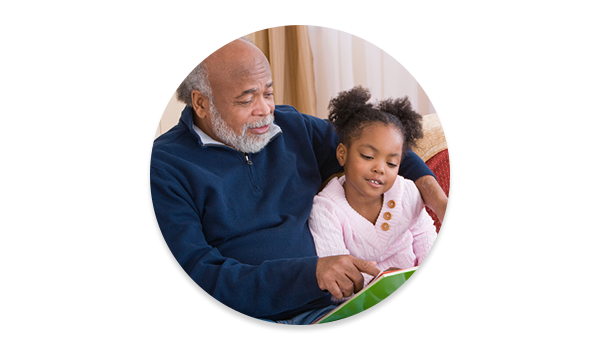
174	39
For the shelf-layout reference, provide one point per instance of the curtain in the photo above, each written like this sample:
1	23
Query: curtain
289	53
372	56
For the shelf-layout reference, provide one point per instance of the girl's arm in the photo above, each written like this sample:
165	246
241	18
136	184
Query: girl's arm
421	226
326	223
424	235
326	228
413	168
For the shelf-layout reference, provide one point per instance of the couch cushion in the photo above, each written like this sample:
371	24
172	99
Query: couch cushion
433	140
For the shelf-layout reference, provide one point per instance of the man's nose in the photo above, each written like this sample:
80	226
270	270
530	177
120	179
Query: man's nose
263	107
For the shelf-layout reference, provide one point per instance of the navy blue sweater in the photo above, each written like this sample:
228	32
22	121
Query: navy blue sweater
238	227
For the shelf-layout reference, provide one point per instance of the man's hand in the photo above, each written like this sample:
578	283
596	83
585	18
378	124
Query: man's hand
341	274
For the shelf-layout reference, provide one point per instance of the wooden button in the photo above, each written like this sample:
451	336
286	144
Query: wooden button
391	204
387	216
385	226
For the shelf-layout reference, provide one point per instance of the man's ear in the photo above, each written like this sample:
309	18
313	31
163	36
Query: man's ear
341	154
200	104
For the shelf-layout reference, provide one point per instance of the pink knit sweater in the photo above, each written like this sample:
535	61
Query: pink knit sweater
401	237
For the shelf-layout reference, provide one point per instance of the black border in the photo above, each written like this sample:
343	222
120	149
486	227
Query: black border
153	236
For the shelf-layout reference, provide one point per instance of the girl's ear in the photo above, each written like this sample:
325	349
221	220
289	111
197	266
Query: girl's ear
341	154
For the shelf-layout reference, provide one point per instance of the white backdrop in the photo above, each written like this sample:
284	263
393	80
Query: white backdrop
74	160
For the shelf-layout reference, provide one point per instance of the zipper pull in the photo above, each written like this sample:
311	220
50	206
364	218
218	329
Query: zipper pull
248	159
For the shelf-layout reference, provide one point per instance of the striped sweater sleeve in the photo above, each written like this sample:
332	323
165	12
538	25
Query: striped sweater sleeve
422	227
326	228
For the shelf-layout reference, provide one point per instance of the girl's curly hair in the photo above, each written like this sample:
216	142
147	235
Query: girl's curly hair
350	113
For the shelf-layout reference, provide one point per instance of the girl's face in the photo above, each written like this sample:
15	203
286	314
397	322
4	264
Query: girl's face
371	162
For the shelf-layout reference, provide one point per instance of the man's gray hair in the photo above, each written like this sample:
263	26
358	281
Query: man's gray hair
198	78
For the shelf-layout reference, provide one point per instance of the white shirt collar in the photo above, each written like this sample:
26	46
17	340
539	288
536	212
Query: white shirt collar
206	140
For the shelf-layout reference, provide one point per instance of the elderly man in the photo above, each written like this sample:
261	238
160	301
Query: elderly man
232	187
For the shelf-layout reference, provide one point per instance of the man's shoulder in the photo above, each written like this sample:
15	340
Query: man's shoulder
177	145
289	116
178	133
169	136
172	141
285	109
290	111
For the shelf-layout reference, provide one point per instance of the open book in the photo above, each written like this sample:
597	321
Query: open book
378	289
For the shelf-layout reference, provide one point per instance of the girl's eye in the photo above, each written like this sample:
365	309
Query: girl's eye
392	165
366	157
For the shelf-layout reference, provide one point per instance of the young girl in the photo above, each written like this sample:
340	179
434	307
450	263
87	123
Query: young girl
371	212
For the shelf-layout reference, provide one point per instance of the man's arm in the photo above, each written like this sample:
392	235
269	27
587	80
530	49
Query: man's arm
274	287
414	168
433	195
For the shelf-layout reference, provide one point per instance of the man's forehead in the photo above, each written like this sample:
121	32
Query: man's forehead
242	66
252	70
242	80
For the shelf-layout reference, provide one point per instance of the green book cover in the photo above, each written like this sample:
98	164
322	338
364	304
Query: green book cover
378	289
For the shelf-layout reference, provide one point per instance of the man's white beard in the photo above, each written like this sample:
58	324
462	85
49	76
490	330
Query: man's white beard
242	143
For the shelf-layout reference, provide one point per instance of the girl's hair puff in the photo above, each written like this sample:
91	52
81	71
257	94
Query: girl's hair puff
350	113
411	121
